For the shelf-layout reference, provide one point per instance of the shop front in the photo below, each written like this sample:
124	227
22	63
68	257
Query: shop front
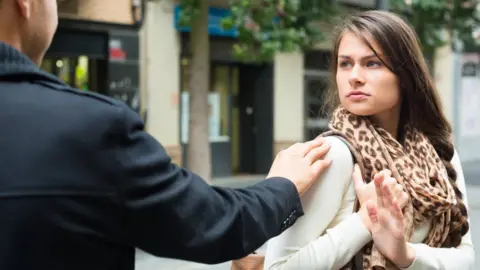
241	105
96	48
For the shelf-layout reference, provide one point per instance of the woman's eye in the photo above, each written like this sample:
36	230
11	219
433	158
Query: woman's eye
374	64
344	64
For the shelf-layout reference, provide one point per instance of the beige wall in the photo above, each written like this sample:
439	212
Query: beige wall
444	77
288	95
112	11
160	74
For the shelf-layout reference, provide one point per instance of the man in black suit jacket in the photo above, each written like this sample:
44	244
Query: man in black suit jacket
82	184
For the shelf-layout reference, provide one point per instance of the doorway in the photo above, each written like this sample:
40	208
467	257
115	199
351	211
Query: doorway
254	105
241	117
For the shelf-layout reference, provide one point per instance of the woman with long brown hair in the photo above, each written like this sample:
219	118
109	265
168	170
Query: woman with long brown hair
386	123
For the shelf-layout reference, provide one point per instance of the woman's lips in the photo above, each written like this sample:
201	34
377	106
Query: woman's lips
357	95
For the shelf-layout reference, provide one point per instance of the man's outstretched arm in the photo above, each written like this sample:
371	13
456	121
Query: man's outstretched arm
174	213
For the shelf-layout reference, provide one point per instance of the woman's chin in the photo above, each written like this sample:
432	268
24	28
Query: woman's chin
360	109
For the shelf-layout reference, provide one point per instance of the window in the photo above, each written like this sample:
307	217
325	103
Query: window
219	101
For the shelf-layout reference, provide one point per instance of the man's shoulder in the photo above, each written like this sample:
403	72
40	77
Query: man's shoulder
86	103
90	98
99	108
64	108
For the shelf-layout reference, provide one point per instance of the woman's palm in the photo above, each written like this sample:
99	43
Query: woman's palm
387	226
388	232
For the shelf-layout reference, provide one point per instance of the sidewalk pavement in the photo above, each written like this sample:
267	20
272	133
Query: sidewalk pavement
238	181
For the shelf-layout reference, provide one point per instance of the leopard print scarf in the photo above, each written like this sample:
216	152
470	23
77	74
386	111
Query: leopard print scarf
416	166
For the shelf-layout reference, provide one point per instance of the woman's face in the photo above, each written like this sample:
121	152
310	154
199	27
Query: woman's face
365	85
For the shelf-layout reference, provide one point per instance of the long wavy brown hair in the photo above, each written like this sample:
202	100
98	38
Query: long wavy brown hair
421	106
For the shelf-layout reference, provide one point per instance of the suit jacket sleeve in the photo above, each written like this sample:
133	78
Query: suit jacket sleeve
172	212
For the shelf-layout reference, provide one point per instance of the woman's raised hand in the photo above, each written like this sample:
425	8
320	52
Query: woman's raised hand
368	193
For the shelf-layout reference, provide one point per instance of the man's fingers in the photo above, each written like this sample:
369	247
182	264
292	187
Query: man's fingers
357	177
302	149
319	166
317	153
296	147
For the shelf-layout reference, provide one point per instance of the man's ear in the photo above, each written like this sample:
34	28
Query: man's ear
24	7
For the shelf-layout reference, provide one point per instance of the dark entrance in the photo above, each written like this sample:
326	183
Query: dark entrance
245	144
81	72
79	58
255	104
105	61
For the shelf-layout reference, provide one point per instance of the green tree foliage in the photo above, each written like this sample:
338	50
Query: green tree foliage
277	26
269	26
435	20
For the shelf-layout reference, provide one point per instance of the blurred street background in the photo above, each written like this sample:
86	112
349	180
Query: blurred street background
252	100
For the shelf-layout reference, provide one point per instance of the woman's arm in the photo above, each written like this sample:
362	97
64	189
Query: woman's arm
461	257
308	244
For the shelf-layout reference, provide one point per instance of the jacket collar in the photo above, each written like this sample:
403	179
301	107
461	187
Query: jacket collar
14	64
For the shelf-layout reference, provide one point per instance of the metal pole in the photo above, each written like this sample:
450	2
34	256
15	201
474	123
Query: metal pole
382	4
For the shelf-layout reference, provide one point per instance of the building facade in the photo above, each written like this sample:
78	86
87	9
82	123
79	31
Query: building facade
96	48
256	110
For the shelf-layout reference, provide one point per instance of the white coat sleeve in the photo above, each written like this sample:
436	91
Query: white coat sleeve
461	257
328	235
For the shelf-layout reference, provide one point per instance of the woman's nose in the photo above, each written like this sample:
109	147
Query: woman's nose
356	76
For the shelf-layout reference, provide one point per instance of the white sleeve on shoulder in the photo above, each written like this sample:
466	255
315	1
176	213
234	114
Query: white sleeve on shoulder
461	257
313	242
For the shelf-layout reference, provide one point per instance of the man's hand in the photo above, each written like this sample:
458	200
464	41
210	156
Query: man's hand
301	163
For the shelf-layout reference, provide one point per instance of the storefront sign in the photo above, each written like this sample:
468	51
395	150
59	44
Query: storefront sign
116	52
215	16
